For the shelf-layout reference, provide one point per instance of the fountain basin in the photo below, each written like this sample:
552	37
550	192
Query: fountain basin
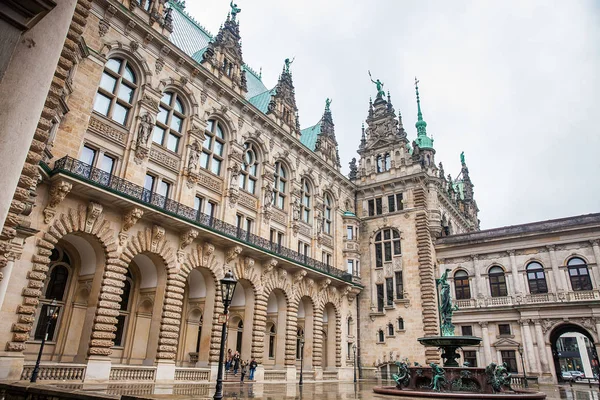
449	345
517	394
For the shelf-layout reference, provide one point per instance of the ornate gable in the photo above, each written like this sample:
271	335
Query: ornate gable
327	146
383	127
224	53
283	102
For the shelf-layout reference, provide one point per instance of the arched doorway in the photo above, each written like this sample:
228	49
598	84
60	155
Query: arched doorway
239	328
573	349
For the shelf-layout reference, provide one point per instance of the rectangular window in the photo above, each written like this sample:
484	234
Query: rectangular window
198	201
371	208
389	288
351	266
470	357
467	330
378	254
504	329
399	285
148	187
399	203
391	204
509	357
379	297
211	209
276	239
304	249
326	259
107	164
387	246
378	206
350	232
88	156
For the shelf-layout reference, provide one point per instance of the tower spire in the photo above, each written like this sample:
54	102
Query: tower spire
422	139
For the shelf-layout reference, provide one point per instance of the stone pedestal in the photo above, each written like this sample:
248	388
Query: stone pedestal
165	371
290	373
318	373
346	374
214	370
259	374
97	370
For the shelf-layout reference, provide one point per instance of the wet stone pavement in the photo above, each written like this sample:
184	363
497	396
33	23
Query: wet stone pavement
309	391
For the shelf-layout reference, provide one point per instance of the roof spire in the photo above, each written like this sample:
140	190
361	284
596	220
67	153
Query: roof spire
422	139
260	74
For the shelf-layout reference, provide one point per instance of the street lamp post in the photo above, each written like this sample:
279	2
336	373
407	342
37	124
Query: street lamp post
227	288
51	314
301	358
523	365
354	349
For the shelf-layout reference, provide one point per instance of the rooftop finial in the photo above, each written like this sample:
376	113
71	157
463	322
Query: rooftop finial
422	139
419	113
328	102
462	158
260	73
287	63
234	10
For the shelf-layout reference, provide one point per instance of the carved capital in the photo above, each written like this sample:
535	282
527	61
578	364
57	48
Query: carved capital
187	238
324	284
207	249
510	253
299	276
551	247
595	242
131	217
474	257
483	324
232	254
269	265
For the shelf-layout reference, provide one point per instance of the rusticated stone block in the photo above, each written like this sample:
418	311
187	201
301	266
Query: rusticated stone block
109	304
21	327
35	284
110	297
165	356
174	302
21	309
170	328
20	337
171	335
170	321
15	346
44	252
100	319
114	283
113	276
28	292
111	289
174	295
173	309
103	335
99	351
107	312
40	268
167	349
170	316
116	269
167	341
40	259
26	319
40	276
101	343
31	301
104	327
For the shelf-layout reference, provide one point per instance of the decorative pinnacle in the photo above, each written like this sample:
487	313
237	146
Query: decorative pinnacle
421	124
260	73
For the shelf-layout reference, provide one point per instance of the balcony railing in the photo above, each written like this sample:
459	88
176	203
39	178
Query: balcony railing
531	298
119	186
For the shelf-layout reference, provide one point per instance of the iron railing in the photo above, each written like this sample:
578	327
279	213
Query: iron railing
119	186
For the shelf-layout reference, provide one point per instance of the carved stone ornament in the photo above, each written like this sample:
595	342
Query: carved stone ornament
130	27
248	264
324	284
188	237
158	232
144	130
58	192
194	156
103	27
299	276
93	212
268	266
159	65
232	254
131	218
207	250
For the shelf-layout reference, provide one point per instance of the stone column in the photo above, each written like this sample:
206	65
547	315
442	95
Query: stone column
528	346
291	334
595	268
541	345
318	343
559	279
487	350
515	273
6	273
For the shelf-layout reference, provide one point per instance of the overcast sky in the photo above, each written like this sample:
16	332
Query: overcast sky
513	84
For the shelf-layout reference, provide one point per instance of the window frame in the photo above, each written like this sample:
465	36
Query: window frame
384	246
536	284
462	285
327	214
248	179
399	284
113	97
166	126
498	287
306	201
579	282
280	178
208	155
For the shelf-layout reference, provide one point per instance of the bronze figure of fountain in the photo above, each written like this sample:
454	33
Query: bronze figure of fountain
453	381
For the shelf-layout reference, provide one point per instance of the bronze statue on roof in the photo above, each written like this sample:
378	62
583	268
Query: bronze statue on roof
234	10
379	84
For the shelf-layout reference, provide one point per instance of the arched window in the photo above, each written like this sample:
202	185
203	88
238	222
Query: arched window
299	336
169	122
272	341
279	185
380	336
379	163
305	195
117	90
212	148
461	285
56	290
387	162
497	282
249	172
240	334
390	330
387	243
400	324
327	218
579	274
536	278
124	311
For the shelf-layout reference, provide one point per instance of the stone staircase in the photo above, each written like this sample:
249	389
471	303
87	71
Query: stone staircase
228	377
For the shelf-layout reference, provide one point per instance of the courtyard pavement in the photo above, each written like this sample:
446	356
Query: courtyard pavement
309	391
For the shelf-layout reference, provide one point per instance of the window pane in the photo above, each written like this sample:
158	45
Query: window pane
87	155
158	135
349	232
197	203
149	182
210	209
167	97
254	170
108	82
219	132
163	188
107	164
242	181
173	142
397	250
378	256
280	201
216	167
120	114
207	142
388	251
218	148
391	204
178	106
126	93
163	113
251	186
128	74
204	160
176	123
282	186
101	104
387	234
114	64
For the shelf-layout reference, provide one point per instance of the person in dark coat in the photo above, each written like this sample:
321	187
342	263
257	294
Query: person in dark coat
244	370
253	365
236	363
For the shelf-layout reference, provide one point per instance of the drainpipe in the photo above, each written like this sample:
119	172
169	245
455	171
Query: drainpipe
360	375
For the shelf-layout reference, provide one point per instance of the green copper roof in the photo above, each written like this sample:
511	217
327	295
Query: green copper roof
309	136
193	39
187	34
261	101
349	214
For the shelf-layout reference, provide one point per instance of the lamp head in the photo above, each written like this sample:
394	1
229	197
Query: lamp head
228	287
52	310
520	348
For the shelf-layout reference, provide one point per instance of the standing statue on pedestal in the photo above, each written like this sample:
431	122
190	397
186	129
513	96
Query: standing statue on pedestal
288	62
446	307
379	84
234	10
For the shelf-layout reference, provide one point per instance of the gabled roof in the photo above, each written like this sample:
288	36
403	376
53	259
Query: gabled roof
254	83
187	34
261	101
308	136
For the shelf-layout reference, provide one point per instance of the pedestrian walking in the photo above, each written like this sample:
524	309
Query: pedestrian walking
244	370
236	363
253	365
